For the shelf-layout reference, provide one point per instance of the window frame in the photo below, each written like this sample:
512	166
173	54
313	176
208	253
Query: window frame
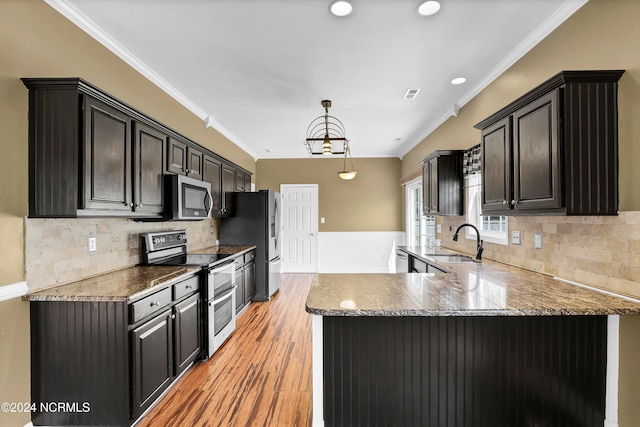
473	213
413	212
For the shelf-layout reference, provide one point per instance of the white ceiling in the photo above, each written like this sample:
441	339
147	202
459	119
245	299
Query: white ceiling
258	69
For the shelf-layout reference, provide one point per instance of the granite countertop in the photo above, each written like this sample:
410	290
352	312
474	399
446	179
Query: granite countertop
484	288
128	284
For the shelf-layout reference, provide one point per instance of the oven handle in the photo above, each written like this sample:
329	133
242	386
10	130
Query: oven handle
228	295
221	267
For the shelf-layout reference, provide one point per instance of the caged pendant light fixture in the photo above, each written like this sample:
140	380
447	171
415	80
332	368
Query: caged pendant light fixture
322	132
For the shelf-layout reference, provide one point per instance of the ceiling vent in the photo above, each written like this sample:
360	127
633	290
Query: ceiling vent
411	93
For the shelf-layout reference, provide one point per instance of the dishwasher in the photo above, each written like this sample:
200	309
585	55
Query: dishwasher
402	261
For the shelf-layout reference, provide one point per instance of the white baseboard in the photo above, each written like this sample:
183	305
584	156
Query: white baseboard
357	252
14	290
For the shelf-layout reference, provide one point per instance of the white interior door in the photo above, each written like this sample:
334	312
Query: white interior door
299	228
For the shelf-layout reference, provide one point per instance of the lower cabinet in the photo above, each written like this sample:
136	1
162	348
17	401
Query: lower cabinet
245	279
152	360
110	360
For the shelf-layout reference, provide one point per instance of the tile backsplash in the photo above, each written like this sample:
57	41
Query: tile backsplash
57	250
599	251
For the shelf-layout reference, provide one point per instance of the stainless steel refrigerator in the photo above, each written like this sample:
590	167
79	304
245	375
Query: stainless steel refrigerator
257	222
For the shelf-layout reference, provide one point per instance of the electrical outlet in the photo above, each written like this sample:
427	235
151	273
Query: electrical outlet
212	229
515	237
439	228
92	244
538	240
321	220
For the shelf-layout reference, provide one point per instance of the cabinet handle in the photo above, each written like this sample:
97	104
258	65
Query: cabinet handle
187	171
514	202
189	286
139	205
173	316
155	304
131	204
504	203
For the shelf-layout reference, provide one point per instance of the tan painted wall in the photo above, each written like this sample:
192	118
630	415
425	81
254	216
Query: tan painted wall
36	41
604	34
370	202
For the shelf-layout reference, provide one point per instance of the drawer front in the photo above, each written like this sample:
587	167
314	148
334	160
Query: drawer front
186	287
249	256
150	304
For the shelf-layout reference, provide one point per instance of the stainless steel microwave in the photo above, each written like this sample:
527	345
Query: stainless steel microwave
187	199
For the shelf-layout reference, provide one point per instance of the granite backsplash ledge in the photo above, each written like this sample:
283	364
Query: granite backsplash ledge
57	251
600	251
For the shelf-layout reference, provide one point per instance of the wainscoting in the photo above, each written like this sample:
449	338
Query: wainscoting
358	252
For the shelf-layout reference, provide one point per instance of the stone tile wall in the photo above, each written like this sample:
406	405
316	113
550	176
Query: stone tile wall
600	251
57	252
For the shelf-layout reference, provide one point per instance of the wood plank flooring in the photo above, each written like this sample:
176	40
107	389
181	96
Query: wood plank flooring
260	377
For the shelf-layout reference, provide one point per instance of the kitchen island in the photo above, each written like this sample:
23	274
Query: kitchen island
484	345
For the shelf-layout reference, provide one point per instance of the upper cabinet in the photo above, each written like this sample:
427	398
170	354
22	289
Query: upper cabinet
442	183
92	155
184	159
555	149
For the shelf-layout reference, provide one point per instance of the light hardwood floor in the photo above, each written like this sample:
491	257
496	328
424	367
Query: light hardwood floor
260	377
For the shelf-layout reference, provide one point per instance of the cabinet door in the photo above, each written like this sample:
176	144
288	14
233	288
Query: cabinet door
176	156
496	167
107	158
212	173
239	181
239	289
228	187
194	163
188	333
536	165
249	282
152	361
149	149
433	186
425	188
247	182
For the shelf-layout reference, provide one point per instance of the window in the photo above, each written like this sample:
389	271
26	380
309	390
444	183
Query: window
493	229
421	229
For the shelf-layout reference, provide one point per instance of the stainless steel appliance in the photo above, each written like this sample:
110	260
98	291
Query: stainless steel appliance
187	198
218	279
257	222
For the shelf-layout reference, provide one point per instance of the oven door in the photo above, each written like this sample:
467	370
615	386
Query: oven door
221	278
222	319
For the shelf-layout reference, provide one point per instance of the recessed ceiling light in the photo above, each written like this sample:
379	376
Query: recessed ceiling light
341	8
458	81
429	8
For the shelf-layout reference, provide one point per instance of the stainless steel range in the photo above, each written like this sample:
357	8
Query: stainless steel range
218	274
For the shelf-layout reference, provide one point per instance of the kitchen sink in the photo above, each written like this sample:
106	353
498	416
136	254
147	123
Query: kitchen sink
451	258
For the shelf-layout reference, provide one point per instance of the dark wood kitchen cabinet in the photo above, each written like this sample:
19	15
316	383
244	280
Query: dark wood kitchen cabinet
228	188
117	356
442	183
245	279
152	361
107	158
212	173
184	159
148	182
90	154
555	149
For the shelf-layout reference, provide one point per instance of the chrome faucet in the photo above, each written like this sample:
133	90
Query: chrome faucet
479	246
